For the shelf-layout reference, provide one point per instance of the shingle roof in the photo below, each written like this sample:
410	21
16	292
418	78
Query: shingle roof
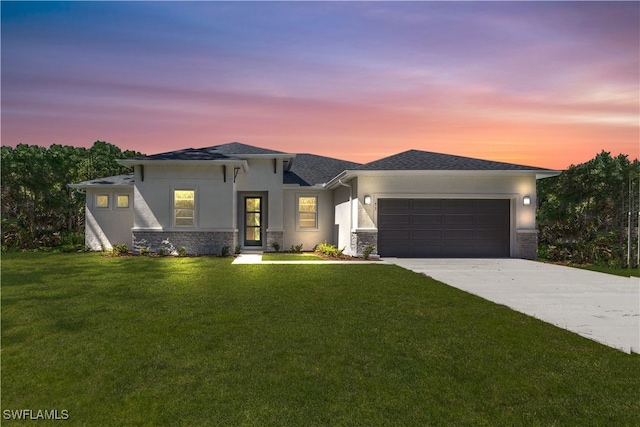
310	169
425	160
126	179
240	148
216	152
209	153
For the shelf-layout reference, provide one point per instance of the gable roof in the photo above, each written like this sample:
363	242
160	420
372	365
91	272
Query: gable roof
425	160
311	169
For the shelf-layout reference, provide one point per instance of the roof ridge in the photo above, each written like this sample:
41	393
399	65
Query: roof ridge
414	159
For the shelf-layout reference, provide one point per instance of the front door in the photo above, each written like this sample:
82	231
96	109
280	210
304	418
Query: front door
253	221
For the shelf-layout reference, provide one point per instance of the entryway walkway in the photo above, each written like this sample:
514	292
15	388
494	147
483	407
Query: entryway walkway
256	258
598	306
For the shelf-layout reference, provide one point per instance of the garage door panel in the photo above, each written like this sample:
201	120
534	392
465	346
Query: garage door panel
426	235
453	235
444	227
497	221
459	219
428	219
426	205
395	220
459	204
396	204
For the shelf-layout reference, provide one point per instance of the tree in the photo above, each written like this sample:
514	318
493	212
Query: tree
37	206
582	213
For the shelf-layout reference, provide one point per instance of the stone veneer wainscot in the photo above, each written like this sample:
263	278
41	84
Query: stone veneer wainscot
196	242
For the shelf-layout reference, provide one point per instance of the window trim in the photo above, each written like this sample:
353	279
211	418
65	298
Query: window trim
173	207
298	212
108	196
128	201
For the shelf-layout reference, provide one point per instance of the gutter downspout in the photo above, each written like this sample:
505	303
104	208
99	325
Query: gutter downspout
350	209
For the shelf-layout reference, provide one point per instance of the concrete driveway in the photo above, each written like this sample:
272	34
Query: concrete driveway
598	306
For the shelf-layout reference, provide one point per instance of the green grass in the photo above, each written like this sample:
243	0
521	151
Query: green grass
307	256
627	272
198	341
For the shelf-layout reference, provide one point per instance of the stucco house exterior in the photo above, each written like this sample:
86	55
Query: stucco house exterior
412	204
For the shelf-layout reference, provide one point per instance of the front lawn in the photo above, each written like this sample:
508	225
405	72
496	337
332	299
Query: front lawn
283	256
627	272
198	341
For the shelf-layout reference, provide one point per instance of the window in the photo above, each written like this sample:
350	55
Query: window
307	212
102	200
184	202
123	201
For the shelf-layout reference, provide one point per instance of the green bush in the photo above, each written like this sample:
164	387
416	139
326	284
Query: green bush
120	249
329	250
145	251
367	251
225	251
296	248
182	251
276	246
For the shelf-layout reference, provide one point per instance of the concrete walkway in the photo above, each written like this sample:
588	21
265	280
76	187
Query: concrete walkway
256	258
598	306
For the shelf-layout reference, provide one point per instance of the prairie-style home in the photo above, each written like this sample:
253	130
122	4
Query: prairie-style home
412	204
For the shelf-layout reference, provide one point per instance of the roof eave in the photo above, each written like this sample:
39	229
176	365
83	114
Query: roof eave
81	186
348	174
217	162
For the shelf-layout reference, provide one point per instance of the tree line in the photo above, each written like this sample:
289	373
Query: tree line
583	214
38	208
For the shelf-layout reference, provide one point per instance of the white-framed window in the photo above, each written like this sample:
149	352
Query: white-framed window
184	208
307	212
122	201
102	201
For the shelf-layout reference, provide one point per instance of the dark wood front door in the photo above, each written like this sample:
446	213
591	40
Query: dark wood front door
253	221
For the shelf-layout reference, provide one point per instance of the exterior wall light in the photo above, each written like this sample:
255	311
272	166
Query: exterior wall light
526	200
367	200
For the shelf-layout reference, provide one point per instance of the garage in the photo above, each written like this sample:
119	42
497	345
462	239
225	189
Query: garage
444	228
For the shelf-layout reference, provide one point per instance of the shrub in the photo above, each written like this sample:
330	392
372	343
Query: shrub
367	251
225	251
296	248
120	249
145	251
329	250
182	251
276	246
163	251
238	249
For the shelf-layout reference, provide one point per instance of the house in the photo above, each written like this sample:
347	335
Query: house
412	204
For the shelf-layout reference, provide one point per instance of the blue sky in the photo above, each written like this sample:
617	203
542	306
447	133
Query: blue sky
542	83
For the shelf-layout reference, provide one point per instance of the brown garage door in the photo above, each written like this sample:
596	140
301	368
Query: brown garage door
445	228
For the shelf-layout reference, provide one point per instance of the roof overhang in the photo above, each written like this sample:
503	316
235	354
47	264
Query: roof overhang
350	174
81	186
218	162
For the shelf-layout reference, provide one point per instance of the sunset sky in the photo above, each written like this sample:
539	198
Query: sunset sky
544	83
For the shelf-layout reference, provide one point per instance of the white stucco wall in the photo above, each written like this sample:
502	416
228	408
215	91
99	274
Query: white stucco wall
105	227
343	215
261	178
214	201
309	238
454	186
